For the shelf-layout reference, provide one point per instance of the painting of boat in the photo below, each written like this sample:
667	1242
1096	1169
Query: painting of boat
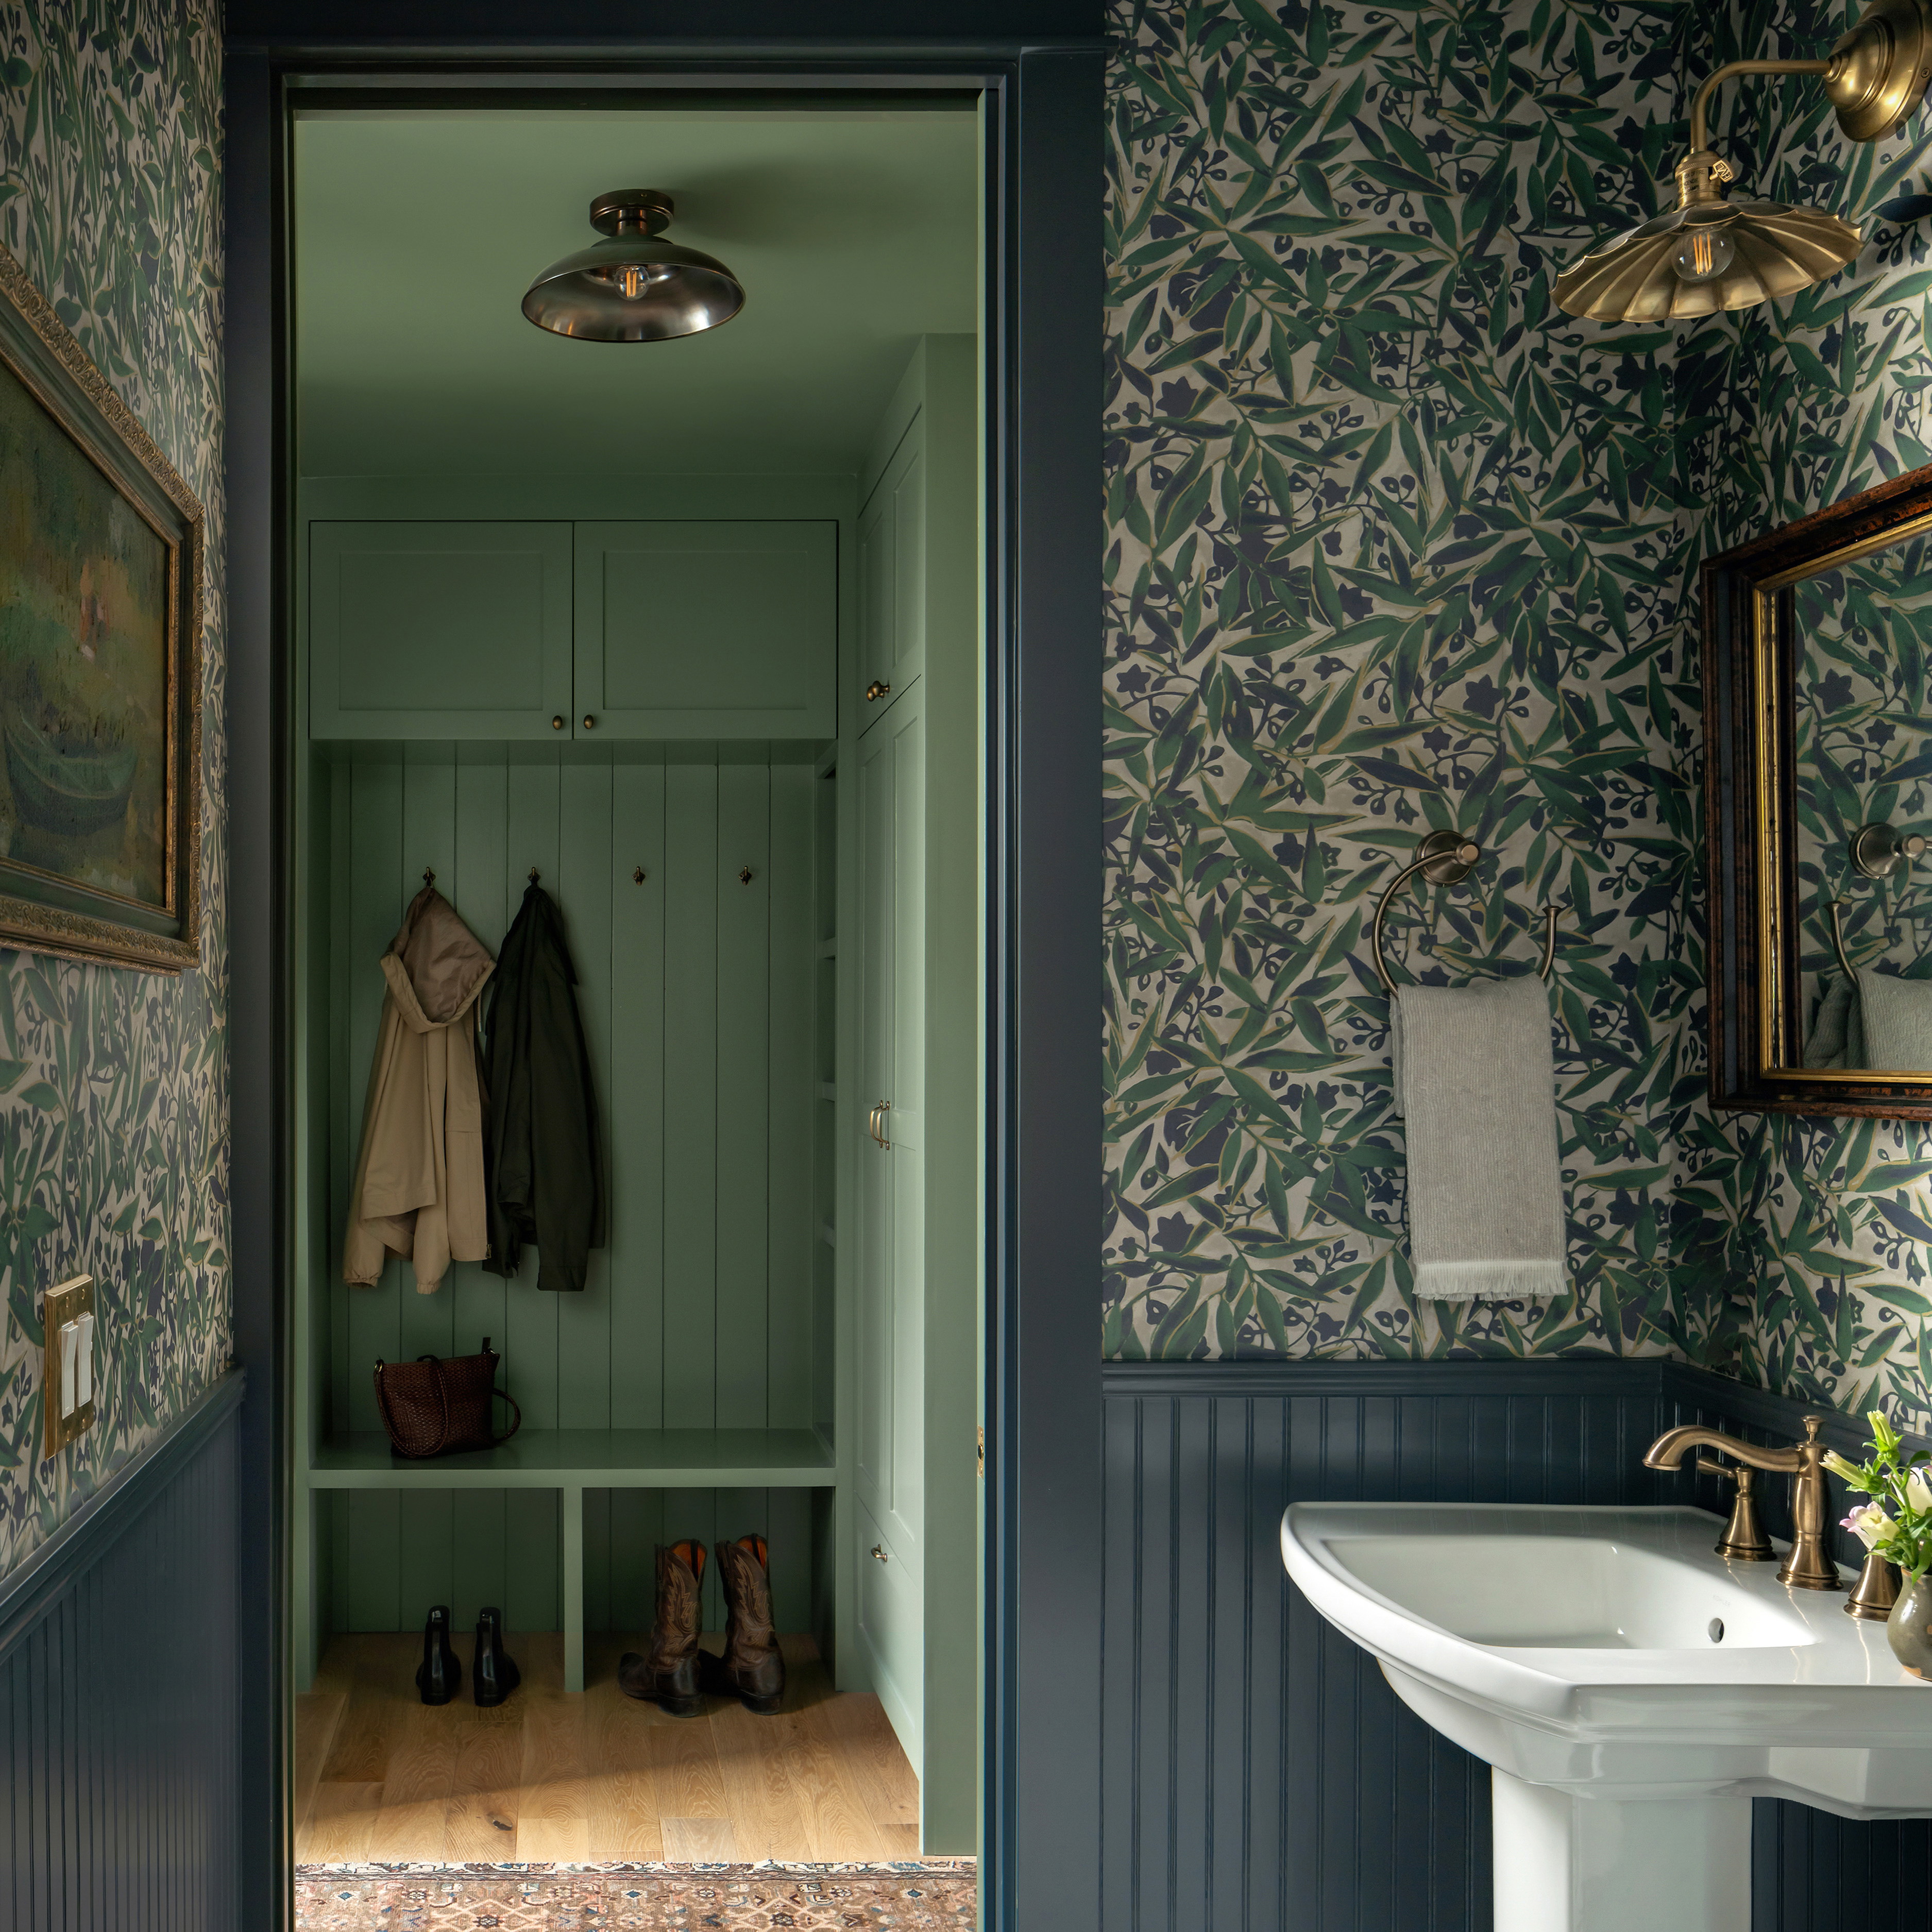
65	786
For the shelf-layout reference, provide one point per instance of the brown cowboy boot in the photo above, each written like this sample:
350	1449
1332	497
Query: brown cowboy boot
668	1676
752	1667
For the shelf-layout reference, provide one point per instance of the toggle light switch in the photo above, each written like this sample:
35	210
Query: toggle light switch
66	1362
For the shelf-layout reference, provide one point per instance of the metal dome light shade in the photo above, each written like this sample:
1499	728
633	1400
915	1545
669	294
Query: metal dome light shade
1708	253
634	287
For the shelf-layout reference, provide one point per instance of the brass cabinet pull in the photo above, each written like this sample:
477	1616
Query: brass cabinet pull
556	724
589	723
875	690
880	1555
875	1124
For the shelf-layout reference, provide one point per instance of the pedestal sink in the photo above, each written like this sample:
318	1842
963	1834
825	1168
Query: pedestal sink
1633	1691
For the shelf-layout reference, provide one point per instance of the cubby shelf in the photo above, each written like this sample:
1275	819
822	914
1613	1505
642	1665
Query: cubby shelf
595	1459
572	1460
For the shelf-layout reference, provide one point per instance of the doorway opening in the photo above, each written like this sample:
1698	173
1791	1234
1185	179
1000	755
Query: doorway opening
685	636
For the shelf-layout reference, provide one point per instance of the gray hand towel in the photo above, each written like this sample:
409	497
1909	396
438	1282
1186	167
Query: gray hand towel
1838	1036
1475	1082
1897	1015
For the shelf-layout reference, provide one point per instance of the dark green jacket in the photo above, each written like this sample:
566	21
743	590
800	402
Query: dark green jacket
546	1177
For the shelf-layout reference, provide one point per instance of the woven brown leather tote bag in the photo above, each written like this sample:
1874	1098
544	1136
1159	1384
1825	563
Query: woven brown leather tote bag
441	1405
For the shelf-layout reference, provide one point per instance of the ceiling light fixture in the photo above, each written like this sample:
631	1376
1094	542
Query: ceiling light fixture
634	287
1708	253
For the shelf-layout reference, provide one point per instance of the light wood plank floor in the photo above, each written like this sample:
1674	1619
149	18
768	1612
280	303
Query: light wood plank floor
592	1777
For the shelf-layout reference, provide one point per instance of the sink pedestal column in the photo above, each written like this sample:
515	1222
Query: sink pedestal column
1595	1864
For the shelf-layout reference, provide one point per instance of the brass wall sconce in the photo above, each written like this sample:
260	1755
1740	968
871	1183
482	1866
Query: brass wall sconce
1708	252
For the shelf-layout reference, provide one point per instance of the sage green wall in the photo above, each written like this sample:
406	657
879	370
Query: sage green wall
695	990
114	1083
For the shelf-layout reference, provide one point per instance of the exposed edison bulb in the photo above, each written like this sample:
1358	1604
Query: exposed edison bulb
1703	254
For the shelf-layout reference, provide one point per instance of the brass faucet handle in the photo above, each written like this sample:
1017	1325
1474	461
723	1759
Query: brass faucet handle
1744	1540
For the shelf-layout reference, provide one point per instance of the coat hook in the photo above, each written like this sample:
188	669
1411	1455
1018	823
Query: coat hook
744	876
639	876
429	875
534	875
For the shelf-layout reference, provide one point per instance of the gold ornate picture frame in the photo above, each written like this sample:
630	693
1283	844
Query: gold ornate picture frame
102	568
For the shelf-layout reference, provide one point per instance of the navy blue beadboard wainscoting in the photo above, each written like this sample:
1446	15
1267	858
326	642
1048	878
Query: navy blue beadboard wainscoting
119	1699
1257	1770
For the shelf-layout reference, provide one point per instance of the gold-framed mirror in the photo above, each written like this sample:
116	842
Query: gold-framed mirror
1818	789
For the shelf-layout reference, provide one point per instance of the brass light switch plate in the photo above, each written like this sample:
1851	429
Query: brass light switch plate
60	1306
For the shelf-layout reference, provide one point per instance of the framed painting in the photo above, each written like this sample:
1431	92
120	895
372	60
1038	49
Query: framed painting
101	560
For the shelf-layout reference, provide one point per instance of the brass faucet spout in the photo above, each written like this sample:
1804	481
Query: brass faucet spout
1808	1565
1668	1450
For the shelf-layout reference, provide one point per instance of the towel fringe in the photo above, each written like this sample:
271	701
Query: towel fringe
1491	1281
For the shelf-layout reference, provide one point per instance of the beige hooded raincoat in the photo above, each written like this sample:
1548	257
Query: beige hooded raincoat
419	1188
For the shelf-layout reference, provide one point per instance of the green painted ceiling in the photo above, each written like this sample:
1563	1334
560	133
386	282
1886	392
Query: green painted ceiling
416	234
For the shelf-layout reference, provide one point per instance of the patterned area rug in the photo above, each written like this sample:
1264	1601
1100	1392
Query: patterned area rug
934	1896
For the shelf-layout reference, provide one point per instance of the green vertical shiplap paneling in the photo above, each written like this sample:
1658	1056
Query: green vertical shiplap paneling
696	993
583	890
790	1104
743	1127
635	1097
478	885
585	887
530	1322
692	864
375	911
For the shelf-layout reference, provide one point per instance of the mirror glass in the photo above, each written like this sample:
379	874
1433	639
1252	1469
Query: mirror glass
1861	777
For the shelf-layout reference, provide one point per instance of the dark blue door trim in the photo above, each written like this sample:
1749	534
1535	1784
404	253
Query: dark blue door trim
1042	1662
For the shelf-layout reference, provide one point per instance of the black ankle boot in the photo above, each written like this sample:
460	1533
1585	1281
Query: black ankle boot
441	1675
493	1674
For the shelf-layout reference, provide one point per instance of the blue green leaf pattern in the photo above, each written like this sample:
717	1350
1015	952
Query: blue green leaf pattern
114	1083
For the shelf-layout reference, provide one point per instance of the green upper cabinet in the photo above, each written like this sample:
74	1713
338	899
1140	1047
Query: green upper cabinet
706	630
440	630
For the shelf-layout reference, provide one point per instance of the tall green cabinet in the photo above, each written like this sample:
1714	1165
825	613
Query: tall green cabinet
650	695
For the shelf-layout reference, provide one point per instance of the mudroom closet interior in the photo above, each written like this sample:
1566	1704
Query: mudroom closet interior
683	634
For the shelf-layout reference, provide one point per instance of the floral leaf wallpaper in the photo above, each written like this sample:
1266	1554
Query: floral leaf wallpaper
1783	411
114	1083
1393	545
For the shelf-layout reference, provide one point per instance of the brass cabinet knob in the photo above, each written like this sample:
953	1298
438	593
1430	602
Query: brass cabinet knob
879	1554
876	690
556	724
589	723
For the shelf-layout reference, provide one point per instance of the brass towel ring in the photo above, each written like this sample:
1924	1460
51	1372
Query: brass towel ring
1446	859
1838	942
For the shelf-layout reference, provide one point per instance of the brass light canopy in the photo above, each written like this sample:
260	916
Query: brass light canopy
635	286
1709	252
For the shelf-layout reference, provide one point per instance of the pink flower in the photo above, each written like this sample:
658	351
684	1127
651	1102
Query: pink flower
1869	1524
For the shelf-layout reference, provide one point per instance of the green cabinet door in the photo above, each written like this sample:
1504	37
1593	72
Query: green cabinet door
706	630
429	630
892	578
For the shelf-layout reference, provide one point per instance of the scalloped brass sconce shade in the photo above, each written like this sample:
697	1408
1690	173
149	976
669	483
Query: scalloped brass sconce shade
1708	252
635	286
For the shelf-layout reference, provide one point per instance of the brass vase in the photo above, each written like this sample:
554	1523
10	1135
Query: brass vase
1909	1628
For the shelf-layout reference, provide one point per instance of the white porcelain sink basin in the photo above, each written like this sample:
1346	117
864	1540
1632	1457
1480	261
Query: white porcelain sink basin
1633	1690
1558	1592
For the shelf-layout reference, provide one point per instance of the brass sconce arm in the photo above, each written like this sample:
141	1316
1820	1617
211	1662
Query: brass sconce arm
1808	1566
1736	70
